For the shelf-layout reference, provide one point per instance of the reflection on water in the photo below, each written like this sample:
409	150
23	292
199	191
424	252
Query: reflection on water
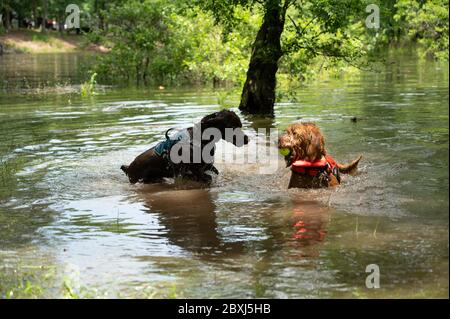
22	73
63	196
309	223
189	218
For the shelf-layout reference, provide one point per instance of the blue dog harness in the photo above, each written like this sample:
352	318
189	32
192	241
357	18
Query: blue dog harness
163	148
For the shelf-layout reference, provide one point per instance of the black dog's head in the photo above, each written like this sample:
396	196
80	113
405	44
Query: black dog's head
224	120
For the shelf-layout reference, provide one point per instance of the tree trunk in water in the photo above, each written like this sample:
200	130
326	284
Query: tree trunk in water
258	94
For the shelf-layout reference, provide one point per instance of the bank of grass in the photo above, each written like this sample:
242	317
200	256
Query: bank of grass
34	41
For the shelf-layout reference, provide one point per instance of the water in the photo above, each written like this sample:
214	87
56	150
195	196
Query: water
68	216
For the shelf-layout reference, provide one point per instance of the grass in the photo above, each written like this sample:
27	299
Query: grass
33	41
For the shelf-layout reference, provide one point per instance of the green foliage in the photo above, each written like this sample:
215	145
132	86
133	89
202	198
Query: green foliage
425	22
411	22
153	43
139	36
322	29
40	37
226	12
214	56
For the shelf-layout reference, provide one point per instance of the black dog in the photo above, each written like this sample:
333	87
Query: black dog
159	162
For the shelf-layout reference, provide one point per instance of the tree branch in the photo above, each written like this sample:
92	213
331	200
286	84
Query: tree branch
293	22
300	31
286	5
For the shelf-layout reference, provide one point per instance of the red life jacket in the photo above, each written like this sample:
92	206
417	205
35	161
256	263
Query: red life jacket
325	164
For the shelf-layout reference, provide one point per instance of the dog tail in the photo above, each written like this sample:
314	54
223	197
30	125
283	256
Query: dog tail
349	168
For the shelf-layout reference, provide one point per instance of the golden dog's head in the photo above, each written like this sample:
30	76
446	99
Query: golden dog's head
302	141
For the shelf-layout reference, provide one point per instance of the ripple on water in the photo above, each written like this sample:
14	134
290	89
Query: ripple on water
247	235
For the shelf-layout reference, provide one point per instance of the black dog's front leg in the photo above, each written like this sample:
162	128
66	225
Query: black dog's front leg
204	176
212	168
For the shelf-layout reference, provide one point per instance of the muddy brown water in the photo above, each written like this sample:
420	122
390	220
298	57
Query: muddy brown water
65	204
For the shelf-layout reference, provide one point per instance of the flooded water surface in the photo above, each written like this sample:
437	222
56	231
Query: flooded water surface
72	225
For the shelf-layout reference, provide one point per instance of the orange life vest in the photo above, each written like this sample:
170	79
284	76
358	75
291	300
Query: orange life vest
325	164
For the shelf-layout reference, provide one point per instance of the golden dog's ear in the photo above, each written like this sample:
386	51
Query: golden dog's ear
316	147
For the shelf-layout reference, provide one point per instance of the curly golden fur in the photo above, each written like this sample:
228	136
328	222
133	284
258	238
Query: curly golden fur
306	142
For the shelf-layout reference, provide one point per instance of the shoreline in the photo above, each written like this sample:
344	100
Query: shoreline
34	42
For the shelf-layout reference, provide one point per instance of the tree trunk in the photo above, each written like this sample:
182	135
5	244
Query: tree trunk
96	11
258	94
61	22
7	19
44	16
99	6
19	20
35	17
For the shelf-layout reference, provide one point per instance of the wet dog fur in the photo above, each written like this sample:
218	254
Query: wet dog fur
306	142
149	167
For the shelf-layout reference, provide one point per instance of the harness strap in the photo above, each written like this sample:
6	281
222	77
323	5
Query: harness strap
163	148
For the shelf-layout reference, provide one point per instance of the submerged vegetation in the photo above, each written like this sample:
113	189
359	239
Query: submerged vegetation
88	87
25	281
